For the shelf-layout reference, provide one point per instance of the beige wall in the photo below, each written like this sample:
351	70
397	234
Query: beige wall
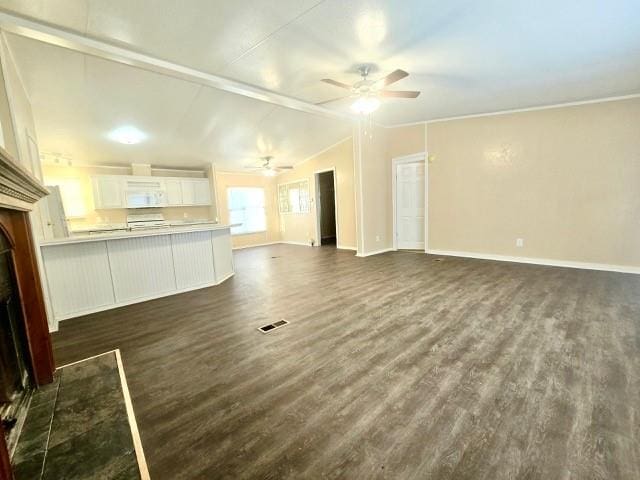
403	141
83	174
565	180
375	152
374	191
226	180
301	228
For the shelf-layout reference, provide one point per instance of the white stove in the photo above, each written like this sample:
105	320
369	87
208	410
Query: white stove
146	221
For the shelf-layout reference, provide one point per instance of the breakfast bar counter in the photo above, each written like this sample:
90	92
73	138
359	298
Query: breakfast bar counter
90	273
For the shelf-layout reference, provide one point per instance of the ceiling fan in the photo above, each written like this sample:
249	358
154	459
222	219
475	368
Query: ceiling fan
267	168
367	93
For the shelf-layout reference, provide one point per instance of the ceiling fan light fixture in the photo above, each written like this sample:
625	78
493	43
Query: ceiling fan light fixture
269	172
365	105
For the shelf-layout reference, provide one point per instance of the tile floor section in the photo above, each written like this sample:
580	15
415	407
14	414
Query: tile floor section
77	427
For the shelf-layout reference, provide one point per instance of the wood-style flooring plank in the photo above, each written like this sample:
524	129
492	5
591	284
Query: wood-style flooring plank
400	365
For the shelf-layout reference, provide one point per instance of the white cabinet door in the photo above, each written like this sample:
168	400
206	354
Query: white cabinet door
195	191
107	192
174	191
188	192
202	192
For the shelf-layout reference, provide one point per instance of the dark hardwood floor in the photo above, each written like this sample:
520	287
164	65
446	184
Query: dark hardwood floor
395	366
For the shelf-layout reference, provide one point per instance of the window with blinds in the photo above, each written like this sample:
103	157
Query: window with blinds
293	197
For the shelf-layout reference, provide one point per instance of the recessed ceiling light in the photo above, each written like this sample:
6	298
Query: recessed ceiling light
127	134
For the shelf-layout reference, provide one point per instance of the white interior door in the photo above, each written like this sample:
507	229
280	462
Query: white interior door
410	205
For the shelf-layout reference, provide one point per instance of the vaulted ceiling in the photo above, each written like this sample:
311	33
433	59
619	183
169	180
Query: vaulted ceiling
465	56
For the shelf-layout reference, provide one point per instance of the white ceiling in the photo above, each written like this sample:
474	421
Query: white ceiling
79	99
465	56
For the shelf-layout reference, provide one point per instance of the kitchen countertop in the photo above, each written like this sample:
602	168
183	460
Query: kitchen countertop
119	234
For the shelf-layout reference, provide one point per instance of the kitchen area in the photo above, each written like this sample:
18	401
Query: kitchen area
113	236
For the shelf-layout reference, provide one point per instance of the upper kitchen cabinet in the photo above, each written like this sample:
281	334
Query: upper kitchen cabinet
195	191
121	191
174	191
107	191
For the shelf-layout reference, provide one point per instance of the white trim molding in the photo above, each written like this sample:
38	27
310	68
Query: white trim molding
345	247
413	158
242	247
291	242
375	252
539	261
133	424
317	210
516	110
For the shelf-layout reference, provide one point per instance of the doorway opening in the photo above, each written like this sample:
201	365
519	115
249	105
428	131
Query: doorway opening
410	203
326	217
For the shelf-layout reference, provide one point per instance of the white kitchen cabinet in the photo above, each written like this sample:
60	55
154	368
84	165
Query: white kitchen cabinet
188	191
202	192
174	191
195	191
108	191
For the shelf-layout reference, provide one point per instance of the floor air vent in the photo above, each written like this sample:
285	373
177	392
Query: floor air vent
272	326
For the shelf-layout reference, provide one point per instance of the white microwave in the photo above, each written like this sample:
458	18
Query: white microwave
145	198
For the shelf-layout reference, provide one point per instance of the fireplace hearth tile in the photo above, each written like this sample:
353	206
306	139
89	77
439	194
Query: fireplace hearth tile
35	432
78	427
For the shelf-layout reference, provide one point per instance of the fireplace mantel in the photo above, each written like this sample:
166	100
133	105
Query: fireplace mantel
19	189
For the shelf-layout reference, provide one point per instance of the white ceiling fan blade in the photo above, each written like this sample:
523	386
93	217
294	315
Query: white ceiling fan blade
398	94
336	83
391	78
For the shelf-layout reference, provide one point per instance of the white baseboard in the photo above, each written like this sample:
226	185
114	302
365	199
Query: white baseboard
375	252
255	245
289	242
539	261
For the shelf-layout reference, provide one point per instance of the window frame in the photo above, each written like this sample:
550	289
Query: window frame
264	208
307	208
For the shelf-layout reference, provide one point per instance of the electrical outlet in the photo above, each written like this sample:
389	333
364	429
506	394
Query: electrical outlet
519	242
377	238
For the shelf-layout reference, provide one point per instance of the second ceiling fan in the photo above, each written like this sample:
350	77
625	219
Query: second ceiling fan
267	168
367	93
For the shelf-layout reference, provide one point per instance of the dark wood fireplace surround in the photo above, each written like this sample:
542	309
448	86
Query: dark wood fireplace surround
19	190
